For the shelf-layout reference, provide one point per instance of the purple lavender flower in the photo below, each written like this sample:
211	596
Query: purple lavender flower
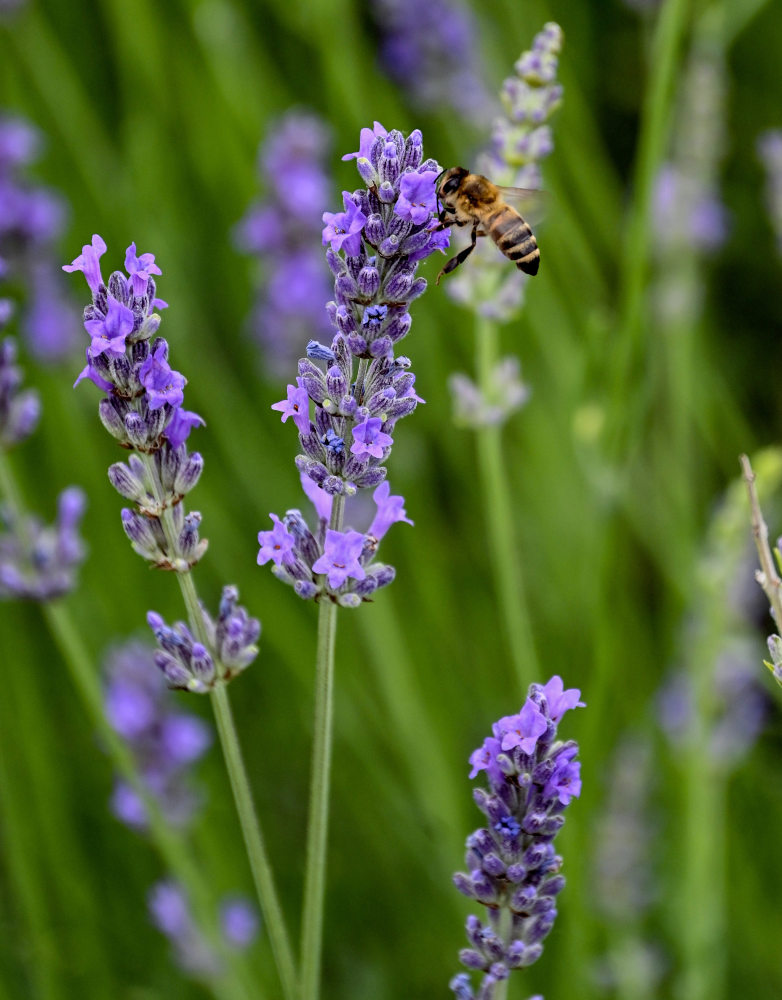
275	544
162	384
340	559
512	866
109	332
190	665
374	248
368	439
390	510
31	219
38	562
19	409
417	197
239	921
170	912
343	229
142	409
88	262
281	232
140	269
430	51
164	742
297	405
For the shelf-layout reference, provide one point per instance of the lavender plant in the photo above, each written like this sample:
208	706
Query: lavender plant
143	411
31	220
171	913
374	247
165	743
513	869
430	51
38	562
282	232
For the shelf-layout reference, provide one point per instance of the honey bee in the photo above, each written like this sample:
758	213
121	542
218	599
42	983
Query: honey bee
472	199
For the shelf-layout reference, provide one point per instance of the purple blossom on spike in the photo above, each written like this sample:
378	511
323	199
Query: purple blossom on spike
180	425
169	909
560	700
239	921
297	405
162	384
110	332
369	439
38	562
390	510
275	544
511	861
343	229
340	558
521	730
417	197
140	268
165	742
88	261
430	51
282	232
366	142
485	759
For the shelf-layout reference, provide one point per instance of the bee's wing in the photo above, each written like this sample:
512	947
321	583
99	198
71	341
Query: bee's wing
530	203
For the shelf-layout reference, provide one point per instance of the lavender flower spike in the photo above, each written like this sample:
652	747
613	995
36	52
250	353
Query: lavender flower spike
169	909
345	417
165	743
513	869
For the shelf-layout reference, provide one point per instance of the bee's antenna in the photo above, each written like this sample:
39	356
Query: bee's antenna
437	188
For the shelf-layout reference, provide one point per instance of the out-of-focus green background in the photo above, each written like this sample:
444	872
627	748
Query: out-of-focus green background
152	115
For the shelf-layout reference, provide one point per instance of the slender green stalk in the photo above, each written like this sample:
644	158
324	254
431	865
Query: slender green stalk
237	773
655	123
317	829
505	560
253	839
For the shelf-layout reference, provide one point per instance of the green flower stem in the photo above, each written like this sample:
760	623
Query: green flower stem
317	829
655	123
237	773
505	560
248	818
253	839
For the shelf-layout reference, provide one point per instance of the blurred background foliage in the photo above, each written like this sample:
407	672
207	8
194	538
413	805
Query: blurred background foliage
618	467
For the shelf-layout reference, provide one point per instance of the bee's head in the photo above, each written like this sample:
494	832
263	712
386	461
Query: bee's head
449	180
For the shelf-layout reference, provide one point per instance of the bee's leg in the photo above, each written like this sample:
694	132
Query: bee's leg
461	257
445	221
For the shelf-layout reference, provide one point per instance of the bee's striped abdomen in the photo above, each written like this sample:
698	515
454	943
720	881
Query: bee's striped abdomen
514	238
